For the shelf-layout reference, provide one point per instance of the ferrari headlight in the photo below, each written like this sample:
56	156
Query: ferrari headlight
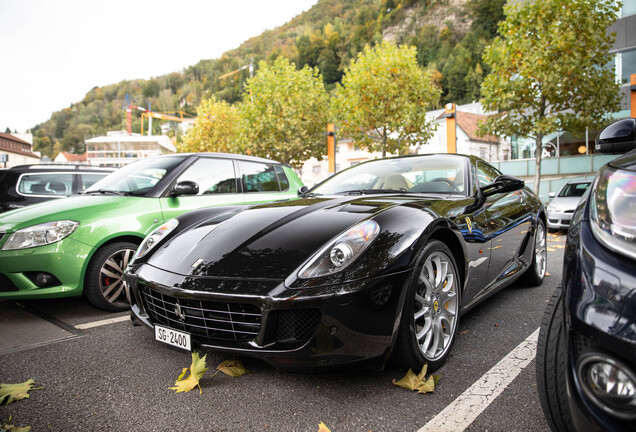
40	235
341	251
155	237
613	210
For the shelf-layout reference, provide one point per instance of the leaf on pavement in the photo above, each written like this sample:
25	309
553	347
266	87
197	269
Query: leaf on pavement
15	392
5	425
197	370
419	382
233	368
323	428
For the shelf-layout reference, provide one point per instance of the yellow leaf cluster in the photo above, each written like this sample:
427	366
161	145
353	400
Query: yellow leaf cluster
419	382
15	392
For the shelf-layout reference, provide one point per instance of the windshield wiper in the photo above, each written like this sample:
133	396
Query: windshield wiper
370	191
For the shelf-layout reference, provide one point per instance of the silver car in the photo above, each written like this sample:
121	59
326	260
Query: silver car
563	204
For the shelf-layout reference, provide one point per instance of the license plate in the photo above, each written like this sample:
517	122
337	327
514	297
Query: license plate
173	337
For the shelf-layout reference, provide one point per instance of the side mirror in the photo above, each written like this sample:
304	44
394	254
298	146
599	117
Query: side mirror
186	187
619	137
302	191
502	184
552	195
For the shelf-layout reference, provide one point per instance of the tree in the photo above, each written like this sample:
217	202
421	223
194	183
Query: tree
285	113
549	70
383	99
214	129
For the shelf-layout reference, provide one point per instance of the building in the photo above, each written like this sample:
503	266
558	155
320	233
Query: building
118	148
15	151
71	158
625	52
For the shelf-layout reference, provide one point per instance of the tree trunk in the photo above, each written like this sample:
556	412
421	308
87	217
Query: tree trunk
537	167
383	143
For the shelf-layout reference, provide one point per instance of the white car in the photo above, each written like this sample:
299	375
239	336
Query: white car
563	204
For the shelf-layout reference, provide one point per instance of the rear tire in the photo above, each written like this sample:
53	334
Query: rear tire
431	310
551	367
105	286
535	274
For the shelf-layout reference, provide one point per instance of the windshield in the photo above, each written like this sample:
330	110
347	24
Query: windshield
136	178
573	190
424	174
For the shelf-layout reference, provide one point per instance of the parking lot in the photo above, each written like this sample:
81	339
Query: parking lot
98	372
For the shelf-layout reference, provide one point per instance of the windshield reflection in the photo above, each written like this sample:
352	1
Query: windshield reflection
420	174
136	178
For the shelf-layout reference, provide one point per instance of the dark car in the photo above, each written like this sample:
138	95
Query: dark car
380	259
586	358
23	185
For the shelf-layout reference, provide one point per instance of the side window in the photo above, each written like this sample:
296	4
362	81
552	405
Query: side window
89	180
55	184
214	176
282	178
258	177
486	174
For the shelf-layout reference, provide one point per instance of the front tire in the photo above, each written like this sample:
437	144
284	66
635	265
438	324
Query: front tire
551	367
105	286
431	310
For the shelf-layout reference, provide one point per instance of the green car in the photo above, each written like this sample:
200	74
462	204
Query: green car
82	244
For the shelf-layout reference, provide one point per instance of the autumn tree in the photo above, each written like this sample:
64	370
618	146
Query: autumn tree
549	70
214	129
383	99
284	113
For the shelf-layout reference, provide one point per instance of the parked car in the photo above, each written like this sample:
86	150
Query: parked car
586	358
563	204
83	243
23	185
382	257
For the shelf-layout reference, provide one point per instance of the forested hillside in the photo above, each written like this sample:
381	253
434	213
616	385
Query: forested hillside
450	36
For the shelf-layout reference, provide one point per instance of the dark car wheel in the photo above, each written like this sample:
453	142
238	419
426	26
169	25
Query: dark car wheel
105	286
431	310
535	274
551	367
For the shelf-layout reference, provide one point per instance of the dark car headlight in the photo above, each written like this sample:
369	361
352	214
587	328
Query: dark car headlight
613	210
40	235
155	237
341	251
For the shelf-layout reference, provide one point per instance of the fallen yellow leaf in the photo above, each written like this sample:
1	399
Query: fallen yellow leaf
197	370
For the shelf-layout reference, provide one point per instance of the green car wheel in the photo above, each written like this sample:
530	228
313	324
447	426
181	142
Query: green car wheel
105	284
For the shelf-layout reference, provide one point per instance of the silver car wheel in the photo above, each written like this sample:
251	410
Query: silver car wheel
436	306
540	251
112	284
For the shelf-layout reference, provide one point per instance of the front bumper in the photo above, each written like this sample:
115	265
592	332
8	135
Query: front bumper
600	319
63	262
290	329
559	220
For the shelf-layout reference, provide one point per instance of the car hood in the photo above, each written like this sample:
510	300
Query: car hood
564	203
81	208
269	241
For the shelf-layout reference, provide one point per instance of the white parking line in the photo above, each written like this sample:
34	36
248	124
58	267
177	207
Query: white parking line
102	322
464	410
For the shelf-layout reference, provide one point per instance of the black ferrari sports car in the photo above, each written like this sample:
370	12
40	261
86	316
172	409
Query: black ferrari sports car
378	261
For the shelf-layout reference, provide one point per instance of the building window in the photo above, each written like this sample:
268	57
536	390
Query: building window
625	65
317	169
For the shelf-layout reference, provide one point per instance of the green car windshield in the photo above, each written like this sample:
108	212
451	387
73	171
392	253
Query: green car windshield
136	178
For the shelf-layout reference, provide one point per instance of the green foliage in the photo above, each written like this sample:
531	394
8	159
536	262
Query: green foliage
549	69
327	37
383	99
285	113
214	129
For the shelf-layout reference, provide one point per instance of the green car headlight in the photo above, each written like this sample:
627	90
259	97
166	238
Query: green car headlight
40	235
155	237
341	251
613	210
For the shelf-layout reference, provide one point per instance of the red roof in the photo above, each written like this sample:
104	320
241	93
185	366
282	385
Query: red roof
469	123
9	143
72	157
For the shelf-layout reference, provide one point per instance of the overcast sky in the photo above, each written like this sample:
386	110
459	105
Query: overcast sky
52	52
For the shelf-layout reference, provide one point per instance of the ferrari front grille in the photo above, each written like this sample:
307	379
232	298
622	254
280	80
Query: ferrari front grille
207	320
297	325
